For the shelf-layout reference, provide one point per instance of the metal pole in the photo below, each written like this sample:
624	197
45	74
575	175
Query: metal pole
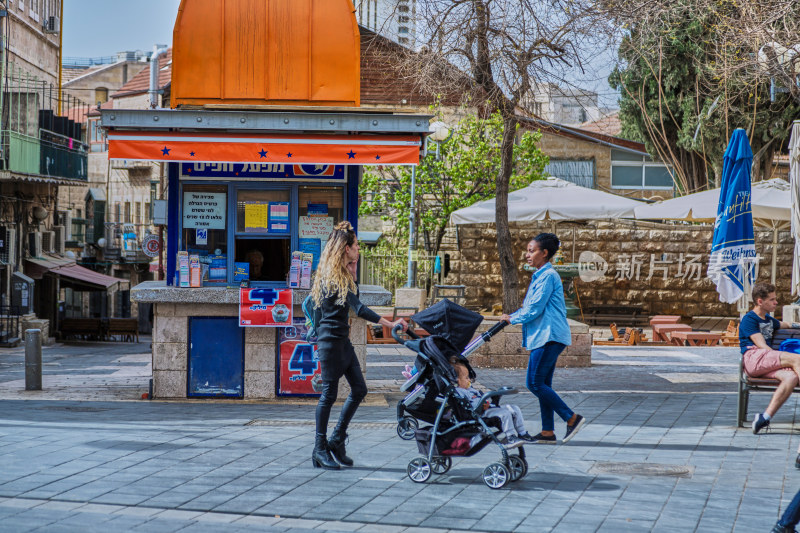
412	263
33	359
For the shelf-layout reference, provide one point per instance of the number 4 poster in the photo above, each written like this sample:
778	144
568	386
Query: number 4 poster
298	364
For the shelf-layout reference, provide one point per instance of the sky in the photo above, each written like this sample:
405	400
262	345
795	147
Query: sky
99	28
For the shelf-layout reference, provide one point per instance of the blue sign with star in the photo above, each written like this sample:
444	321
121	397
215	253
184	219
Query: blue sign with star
262	170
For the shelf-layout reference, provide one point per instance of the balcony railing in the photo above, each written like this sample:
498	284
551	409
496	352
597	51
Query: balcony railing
49	156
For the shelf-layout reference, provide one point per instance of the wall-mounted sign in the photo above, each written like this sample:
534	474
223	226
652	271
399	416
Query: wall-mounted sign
299	370
204	210
265	307
151	245
263	171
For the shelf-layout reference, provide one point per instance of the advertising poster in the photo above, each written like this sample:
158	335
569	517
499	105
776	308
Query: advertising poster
298	364
278	217
265	307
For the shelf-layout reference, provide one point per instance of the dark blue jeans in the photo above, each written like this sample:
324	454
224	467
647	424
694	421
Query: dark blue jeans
791	516
541	366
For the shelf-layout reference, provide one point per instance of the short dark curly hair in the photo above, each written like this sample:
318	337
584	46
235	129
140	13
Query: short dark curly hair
549	242
762	290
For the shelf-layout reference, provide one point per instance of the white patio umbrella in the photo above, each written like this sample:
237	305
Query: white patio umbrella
794	180
770	201
551	199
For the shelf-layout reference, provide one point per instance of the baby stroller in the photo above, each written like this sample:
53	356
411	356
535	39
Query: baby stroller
456	429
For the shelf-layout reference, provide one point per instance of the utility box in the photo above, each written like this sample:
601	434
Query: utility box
22	292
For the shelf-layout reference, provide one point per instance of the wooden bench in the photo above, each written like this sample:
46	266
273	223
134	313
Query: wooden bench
126	328
84	328
747	383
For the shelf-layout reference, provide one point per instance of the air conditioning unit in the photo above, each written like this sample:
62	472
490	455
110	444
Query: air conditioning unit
51	24
35	243
9	250
48	241
59	244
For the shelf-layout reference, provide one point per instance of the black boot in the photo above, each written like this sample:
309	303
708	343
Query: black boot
336	445
321	456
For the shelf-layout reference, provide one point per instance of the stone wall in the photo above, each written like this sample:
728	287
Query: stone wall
618	243
505	350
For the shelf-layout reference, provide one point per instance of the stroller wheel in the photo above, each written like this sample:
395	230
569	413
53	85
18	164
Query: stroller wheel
518	467
406	427
496	476
419	470
441	465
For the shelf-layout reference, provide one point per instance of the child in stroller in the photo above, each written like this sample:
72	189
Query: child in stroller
458	427
512	422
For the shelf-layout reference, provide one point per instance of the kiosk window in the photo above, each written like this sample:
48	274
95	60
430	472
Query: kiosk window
268	259
324	201
262	212
204	213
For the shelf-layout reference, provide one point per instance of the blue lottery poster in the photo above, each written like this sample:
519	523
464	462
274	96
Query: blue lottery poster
314	247
317	210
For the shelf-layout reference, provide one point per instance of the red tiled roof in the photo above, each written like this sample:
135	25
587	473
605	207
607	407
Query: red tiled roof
608	125
578	133
141	82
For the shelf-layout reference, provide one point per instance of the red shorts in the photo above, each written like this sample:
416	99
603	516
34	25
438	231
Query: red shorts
763	363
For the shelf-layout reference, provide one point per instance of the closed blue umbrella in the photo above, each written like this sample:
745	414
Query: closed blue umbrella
733	251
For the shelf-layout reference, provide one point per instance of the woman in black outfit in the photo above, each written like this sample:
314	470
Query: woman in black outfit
334	293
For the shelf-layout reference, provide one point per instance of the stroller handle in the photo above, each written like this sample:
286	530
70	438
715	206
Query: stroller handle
481	339
395	333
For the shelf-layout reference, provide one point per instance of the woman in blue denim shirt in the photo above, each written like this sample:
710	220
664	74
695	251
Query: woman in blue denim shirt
545	332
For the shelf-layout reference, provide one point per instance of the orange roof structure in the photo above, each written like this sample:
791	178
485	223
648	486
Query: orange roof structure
266	52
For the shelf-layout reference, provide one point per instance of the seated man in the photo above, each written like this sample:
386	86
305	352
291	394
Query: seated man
510	415
755	337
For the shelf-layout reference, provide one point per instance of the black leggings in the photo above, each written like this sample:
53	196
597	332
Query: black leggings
351	371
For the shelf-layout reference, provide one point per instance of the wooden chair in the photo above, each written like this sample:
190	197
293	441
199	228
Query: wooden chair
731	335
629	339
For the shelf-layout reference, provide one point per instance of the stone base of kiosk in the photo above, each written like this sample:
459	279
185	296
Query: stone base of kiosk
791	313
175	306
505	350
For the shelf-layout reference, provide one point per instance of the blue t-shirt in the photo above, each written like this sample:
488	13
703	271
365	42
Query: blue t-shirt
751	323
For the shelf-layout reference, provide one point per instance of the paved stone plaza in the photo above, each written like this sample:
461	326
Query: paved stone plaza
660	453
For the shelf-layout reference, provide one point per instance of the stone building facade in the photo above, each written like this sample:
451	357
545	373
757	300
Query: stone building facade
658	267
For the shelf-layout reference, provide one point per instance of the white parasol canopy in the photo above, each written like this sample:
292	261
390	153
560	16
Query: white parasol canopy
553	199
770	200
794	180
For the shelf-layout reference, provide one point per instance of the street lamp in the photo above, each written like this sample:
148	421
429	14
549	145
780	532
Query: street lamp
439	133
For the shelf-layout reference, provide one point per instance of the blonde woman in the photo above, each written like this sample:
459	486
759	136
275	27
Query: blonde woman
335	292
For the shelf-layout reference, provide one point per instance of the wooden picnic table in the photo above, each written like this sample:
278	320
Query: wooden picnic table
664	319
695	338
661	331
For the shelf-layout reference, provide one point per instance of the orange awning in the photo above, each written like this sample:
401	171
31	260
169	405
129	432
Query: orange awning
265	148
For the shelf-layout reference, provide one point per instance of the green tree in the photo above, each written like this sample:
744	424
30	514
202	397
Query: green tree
464	172
675	99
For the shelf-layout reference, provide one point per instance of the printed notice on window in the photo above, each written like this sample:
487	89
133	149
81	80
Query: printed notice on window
205	210
255	217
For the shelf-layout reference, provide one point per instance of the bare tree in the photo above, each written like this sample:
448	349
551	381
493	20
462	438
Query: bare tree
505	46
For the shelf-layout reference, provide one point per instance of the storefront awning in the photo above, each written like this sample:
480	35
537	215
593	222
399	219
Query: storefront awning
265	148
71	272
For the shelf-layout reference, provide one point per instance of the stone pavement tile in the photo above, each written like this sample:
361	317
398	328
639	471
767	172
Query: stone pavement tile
144	512
177	514
380	528
59	506
21	503
99	508
161	526
632	526
339	526
258	520
448	522
124	523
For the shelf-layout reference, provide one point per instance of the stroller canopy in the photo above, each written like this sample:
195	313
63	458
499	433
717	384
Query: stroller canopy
450	321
